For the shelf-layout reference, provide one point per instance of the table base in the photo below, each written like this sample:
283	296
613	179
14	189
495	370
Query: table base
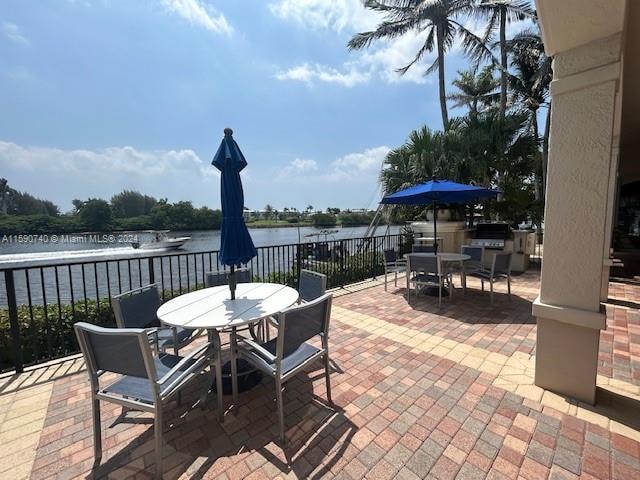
248	377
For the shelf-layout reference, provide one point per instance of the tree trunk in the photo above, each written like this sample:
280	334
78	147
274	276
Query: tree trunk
503	62
536	135
545	151
443	93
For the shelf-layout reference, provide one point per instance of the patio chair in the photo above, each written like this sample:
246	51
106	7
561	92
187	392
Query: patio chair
143	382
393	265
416	248
312	285
218	278
137	309
221	277
427	271
289	352
500	270
475	263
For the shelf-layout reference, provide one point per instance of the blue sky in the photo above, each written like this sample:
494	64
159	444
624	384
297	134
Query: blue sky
101	95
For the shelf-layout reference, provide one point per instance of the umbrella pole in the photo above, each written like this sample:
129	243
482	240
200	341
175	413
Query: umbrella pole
232	282
435	227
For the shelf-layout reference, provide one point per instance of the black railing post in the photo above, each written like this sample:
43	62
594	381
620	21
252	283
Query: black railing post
12	303
152	274
298	262
342	283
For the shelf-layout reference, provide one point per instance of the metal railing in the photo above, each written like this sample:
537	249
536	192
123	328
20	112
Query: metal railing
40	303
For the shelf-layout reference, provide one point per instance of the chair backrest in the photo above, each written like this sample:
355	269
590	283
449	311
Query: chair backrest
423	248
137	308
389	256
501	263
221	277
476	253
302	322
125	351
312	285
424	263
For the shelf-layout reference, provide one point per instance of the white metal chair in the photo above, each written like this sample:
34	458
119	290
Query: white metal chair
393	265
289	352
144	381
500	270
426	271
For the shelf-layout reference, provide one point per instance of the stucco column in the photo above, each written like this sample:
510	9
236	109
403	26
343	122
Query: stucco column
582	156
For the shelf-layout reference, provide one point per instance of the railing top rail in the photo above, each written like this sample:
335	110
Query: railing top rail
88	257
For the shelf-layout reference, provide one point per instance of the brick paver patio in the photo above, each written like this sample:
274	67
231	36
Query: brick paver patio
420	392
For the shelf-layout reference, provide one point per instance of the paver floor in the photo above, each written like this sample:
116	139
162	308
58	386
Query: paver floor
419	391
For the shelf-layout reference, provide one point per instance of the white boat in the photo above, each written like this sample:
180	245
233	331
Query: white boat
164	242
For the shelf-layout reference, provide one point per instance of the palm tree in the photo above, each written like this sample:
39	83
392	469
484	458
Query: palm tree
499	14
530	84
475	89
439	18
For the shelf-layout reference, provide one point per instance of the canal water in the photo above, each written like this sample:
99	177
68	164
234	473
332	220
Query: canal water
112	266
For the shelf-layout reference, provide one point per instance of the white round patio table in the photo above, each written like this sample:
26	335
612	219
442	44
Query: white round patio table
212	309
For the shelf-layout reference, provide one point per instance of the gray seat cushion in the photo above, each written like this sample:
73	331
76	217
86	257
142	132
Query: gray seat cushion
295	358
165	336
140	388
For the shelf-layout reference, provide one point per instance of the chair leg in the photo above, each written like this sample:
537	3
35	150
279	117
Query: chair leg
395	280
440	294
97	432
509	287
158	440
385	281
491	286
327	376
280	408
234	367
482	284
219	393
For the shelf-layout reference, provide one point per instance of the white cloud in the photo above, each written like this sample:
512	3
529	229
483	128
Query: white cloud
112	161
335	15
14	33
198	13
361	167
349	16
308	73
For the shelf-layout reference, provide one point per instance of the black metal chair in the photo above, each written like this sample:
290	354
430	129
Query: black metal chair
221	277
312	285
137	309
417	248
143	382
427	271
500	270
289	352
393	265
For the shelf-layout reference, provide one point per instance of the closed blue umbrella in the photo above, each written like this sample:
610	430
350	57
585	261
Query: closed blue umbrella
438	191
236	246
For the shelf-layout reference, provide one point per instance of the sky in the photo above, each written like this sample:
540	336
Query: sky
97	96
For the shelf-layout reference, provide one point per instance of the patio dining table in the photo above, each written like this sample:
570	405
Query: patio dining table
450	259
213	310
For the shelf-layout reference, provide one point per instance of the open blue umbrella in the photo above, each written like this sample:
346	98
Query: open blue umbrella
236	246
438	191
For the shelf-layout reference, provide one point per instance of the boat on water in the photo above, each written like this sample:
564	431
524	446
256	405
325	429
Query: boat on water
163	241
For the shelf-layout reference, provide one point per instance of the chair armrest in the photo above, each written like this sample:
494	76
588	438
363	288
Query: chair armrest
185	360
258	348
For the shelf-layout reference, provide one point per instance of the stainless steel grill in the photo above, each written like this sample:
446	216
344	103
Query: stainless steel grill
491	235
